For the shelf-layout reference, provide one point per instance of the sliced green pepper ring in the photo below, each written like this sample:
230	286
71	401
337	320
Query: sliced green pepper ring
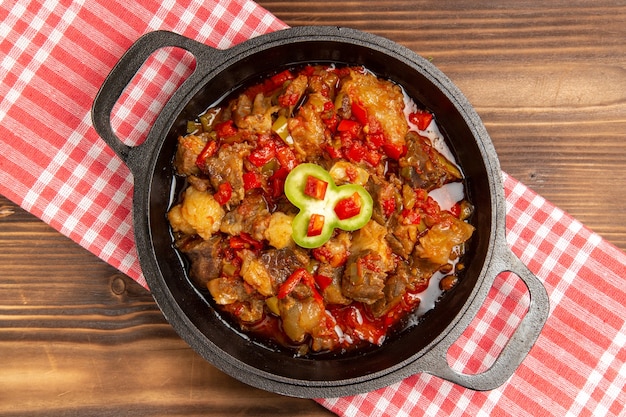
295	184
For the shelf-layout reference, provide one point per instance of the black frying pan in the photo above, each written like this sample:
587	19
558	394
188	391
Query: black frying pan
419	349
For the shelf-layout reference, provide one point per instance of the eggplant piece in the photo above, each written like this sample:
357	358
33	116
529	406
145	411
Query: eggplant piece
425	167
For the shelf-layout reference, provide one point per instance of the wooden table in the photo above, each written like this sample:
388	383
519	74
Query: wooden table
549	80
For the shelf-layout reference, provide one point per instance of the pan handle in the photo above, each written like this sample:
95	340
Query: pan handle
516	348
122	74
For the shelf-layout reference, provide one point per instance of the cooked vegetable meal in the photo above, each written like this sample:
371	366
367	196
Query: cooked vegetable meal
307	211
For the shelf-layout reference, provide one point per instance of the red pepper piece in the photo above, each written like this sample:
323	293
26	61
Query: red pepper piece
209	150
286	100
244	241
279	79
263	153
455	210
224	193
316	224
276	183
299	275
251	180
348	207
351	126
355	152
314	187
226	129
421	119
359	112
394	151
323	281
286	157
291	282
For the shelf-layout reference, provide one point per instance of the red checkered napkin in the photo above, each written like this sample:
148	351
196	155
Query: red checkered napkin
578	365
54	57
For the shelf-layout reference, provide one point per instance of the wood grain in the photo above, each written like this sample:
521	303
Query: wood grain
548	79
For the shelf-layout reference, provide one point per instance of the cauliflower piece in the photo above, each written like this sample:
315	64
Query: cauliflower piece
278	233
198	213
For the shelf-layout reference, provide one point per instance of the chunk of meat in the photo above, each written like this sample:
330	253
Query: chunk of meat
385	195
205	257
227	290
364	277
394	290
371	237
308	129
300	317
281	263
334	252
256	274
438	243
402	237
227	167
294	92
251	216
189	147
383	101
424	167
254	116
332	293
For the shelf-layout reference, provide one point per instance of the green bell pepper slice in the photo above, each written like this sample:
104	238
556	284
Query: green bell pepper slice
347	207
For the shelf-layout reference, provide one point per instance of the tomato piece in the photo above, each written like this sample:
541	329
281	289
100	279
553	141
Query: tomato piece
411	217
372	156
314	187
348	207
316	225
224	193
377	139
421	119
388	206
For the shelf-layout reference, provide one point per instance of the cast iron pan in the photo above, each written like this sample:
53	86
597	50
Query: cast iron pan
420	349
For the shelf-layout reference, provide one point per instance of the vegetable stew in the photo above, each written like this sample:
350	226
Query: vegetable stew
308	212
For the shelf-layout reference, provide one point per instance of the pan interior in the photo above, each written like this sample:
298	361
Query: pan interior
207	331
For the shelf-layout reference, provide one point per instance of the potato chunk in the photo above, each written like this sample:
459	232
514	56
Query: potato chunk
198	213
279	230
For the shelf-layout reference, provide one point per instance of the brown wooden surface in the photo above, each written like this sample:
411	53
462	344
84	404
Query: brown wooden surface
549	80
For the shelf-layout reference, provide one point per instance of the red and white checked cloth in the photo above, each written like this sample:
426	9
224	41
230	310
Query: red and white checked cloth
55	55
